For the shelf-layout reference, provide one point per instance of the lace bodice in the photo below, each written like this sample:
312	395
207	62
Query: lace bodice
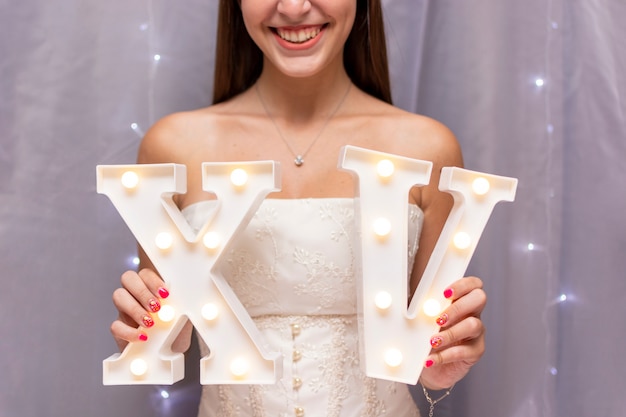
293	269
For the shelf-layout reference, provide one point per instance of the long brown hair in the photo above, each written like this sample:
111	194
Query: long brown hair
239	61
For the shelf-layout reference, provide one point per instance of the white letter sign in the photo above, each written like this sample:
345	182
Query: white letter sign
142	194
394	339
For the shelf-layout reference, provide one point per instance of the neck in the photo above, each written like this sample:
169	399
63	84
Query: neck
302	99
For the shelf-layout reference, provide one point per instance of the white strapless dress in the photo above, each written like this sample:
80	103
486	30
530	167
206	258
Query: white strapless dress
293	269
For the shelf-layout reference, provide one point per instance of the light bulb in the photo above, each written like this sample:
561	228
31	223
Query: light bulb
462	240
385	168
166	313
383	300
138	367
481	186
432	307
239	177
164	240
211	240
393	357
130	179
382	227
209	311
239	367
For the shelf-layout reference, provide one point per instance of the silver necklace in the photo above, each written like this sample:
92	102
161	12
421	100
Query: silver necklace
299	157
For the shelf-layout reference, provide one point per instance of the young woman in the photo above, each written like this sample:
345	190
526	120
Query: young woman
295	81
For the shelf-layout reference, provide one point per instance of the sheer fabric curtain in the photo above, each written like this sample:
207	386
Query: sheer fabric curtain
533	90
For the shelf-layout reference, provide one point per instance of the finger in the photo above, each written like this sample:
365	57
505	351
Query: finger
131	312
468	329
466	354
462	287
123	334
471	304
154	282
138	285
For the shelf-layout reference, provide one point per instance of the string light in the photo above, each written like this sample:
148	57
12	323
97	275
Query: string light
209	311
393	357
385	168
130	180
382	227
138	367
383	300
239	177
164	240
157	57
539	82
166	313
462	240
432	307
239	367
211	240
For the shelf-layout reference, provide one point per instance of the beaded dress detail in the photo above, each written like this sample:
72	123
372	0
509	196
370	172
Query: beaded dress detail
293	270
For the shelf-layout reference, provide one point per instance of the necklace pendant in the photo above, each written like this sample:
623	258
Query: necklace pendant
298	161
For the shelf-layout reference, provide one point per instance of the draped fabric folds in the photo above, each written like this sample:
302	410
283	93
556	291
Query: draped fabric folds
533	89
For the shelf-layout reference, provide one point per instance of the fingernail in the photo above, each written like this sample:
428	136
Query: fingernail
154	305
442	320
147	321
163	292
448	292
429	363
143	337
435	342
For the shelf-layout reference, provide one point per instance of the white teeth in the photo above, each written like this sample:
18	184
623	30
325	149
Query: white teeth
298	36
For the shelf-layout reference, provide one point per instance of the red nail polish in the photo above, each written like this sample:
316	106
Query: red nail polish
143	337
429	363
448	293
154	305
442	320
163	292
147	321
435	342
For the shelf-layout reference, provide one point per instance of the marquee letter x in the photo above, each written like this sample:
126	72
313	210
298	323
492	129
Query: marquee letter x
186	261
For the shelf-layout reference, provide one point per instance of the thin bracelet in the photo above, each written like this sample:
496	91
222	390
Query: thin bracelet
432	402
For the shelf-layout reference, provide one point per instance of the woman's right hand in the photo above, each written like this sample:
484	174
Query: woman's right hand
137	301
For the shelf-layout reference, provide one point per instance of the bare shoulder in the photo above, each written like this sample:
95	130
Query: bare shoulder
175	137
413	135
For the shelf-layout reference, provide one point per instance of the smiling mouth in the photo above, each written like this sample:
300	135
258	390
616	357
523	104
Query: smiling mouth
298	35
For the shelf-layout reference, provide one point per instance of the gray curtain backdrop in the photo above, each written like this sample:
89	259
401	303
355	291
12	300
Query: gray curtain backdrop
534	89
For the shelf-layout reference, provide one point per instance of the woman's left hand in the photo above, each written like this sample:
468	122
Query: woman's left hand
461	340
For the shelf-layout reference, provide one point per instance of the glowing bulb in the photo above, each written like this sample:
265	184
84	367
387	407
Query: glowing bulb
239	177
383	300
393	357
165	395
462	240
211	240
432	307
130	179
164	240
166	313
239	367
385	168
157	57
539	82
210	311
531	246
480	186
382	227
563	297
138	367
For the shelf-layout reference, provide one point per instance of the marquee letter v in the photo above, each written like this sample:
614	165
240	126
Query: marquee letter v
395	339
